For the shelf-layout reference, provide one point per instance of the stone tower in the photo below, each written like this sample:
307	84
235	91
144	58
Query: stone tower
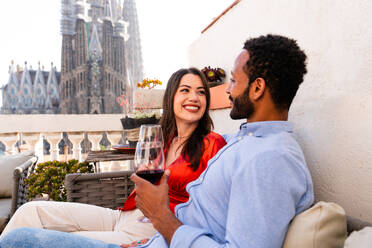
133	46
93	67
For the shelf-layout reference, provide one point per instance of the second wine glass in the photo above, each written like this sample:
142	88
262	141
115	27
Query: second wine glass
149	155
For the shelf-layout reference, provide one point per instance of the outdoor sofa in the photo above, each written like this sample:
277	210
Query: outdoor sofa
325	225
13	191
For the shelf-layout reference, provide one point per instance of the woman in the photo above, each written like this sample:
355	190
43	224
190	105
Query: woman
190	143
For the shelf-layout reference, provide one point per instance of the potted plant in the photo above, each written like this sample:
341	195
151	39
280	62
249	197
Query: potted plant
143	111
214	76
48	178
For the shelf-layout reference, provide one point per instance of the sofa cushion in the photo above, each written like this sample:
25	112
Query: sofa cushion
5	205
321	226
360	239
7	165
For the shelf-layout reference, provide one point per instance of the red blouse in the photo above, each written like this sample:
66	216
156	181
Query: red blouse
181	173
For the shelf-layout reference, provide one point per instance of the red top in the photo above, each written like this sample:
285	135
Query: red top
181	173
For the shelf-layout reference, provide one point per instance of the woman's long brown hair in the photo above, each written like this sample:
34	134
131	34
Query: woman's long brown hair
193	146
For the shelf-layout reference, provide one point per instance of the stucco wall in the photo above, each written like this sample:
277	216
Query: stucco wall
332	111
222	122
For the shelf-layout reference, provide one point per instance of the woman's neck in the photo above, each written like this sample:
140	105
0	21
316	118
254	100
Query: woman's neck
185	130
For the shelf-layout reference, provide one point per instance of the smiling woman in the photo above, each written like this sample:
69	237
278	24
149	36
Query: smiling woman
190	100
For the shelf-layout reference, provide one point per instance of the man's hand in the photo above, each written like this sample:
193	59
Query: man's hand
153	201
150	199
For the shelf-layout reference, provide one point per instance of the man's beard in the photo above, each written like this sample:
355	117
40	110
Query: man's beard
243	107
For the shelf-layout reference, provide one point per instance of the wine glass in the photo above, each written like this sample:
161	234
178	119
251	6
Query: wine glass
149	156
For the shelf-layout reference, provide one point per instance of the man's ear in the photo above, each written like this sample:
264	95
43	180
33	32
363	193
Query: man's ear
258	87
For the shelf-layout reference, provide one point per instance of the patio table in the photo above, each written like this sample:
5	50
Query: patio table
105	156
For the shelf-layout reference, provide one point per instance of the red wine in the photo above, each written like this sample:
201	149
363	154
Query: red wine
153	176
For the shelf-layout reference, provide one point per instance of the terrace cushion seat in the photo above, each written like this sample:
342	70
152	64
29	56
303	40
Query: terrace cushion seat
360	239
5	205
13	191
321	226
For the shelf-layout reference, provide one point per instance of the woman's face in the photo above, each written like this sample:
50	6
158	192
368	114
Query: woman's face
190	100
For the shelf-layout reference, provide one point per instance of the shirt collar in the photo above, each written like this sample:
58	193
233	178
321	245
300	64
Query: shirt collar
263	128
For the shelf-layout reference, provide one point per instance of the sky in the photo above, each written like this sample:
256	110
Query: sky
31	32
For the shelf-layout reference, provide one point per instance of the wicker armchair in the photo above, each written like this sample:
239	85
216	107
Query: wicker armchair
105	189
19	194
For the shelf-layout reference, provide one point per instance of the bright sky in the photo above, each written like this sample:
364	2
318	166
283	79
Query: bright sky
30	32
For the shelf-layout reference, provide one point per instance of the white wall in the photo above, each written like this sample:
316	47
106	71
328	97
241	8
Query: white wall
222	122
332	111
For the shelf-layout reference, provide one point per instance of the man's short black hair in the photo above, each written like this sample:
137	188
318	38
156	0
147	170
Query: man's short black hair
281	62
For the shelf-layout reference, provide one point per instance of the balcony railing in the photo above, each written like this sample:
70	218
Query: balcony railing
31	130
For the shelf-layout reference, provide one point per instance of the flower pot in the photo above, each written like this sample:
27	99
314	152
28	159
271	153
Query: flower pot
219	97
131	127
131	123
214	84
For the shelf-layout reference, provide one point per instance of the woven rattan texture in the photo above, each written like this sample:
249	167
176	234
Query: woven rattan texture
20	194
106	189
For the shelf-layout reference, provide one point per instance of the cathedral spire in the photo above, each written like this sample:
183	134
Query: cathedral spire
11	67
108	11
79	9
52	92
116	8
25	92
133	45
95	48
11	92
68	19
39	92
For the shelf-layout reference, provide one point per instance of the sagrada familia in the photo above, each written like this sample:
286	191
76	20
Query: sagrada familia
101	59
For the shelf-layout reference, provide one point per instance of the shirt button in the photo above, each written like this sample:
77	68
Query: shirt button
250	134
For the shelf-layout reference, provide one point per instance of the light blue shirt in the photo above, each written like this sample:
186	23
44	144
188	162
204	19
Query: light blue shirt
249	193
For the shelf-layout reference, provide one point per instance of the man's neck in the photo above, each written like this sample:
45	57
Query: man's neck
269	116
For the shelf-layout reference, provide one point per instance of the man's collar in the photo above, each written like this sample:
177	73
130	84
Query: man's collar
262	128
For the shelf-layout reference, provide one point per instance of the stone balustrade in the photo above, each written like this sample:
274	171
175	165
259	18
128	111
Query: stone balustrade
31	130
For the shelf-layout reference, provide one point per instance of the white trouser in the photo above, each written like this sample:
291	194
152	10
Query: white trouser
111	226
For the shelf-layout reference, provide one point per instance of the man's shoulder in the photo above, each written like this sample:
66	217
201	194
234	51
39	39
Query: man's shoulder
229	136
246	150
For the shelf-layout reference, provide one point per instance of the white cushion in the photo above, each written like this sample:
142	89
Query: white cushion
7	165
5	205
360	239
321	226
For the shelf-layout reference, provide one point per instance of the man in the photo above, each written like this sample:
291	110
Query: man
259	181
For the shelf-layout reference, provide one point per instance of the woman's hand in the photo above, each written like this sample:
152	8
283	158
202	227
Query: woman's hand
135	243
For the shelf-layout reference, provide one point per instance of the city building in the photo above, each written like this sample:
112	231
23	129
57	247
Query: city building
96	67
31	91
101	60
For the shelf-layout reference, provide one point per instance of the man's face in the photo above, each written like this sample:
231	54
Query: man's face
238	89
